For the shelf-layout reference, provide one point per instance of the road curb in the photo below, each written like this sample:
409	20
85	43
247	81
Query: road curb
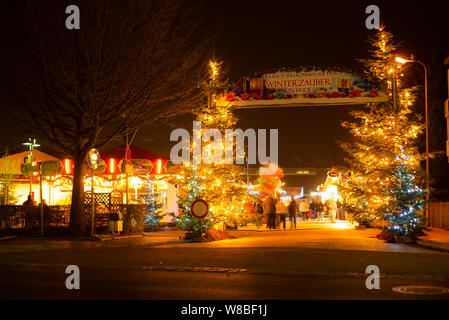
59	238
432	246
8	238
156	244
96	238
119	237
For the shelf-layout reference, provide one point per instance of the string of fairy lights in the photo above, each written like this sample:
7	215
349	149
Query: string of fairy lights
214	180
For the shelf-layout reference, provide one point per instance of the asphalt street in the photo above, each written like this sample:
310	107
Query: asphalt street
48	283
314	263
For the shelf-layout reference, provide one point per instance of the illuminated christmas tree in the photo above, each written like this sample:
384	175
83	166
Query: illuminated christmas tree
153	212
385	185
213	179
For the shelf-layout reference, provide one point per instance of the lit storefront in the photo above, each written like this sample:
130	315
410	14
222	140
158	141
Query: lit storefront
149	176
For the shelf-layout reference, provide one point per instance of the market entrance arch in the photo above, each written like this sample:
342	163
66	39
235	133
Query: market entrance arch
304	86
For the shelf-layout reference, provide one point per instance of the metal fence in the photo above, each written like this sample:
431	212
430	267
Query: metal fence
439	215
27	219
19	219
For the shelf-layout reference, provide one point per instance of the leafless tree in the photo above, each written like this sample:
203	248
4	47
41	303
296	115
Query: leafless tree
130	64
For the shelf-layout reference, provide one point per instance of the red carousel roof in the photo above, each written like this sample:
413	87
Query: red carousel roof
112	158
136	153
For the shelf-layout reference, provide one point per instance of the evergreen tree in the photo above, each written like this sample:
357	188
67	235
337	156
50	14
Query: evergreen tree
385	185
217	182
153	212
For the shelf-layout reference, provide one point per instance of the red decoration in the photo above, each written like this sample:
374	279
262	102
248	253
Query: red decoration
336	94
245	96
199	215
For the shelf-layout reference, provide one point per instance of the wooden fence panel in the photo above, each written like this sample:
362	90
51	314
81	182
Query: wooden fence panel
439	215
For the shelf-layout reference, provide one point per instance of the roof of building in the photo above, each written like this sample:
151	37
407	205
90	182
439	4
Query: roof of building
12	163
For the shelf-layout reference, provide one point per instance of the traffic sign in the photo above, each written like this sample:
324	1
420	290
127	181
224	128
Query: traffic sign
93	158
28	169
51	168
199	208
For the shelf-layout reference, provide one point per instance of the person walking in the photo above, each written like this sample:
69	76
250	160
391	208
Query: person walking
313	207
332	209
273	213
319	210
304	208
259	214
339	210
326	208
269	209
292	210
266	211
281	210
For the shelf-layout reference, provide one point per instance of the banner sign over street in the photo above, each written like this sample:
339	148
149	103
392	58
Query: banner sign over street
303	87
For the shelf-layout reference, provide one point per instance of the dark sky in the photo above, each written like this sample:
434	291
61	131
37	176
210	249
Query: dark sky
261	35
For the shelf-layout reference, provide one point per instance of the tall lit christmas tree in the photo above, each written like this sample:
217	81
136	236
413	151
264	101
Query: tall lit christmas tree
385	185
219	183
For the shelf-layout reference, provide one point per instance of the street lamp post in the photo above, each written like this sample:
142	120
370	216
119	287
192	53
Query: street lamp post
247	168
31	144
412	59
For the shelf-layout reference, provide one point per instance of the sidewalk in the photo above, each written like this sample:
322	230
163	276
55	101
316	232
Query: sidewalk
436	239
148	239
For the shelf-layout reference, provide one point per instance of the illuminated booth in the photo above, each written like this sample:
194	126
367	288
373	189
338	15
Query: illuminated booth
131	174
135	173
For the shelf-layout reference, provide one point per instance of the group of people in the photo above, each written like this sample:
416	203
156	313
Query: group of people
272	206
313	210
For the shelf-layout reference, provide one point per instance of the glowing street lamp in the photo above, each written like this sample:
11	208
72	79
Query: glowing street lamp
403	61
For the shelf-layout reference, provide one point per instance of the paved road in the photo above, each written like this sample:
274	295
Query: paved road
317	262
48	283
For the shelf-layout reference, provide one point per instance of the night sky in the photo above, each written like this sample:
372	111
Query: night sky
261	35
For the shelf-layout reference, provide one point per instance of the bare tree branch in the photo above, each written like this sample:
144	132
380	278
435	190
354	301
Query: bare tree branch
131	64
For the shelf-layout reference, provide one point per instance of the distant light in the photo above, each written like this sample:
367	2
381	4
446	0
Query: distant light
67	166
159	166
111	165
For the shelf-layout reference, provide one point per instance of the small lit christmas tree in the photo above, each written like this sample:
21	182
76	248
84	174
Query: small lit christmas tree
384	188
402	215
153	212
192	188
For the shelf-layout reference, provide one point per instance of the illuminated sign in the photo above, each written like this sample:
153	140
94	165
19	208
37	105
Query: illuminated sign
304	87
